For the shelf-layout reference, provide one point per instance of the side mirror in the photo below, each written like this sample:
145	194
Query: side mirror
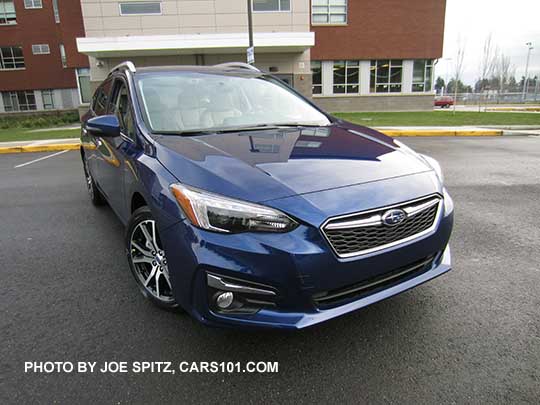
106	126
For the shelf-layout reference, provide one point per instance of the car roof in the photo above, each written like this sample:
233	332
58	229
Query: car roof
224	70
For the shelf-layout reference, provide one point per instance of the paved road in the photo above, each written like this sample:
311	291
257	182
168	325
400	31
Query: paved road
471	336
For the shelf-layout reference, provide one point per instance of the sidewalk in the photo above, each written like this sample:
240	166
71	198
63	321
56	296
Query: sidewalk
47	145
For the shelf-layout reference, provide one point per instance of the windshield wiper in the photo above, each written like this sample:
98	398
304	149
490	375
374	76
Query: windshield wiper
212	131
297	124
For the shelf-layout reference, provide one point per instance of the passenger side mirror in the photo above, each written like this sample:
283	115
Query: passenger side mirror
106	126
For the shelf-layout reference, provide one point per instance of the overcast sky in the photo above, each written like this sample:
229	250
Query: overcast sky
512	23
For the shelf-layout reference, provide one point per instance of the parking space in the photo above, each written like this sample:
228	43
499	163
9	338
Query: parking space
471	336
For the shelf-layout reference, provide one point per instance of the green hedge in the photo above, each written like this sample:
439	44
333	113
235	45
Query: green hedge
39	120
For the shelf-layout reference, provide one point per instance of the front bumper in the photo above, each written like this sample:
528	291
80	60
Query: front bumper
298	320
298	265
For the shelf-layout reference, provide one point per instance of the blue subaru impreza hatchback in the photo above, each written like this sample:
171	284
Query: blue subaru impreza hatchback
248	206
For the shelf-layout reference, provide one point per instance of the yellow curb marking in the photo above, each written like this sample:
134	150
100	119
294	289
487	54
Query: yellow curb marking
40	148
390	132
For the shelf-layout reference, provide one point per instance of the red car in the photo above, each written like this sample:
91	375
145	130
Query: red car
444	101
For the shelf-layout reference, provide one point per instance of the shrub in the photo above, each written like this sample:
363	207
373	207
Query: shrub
39	119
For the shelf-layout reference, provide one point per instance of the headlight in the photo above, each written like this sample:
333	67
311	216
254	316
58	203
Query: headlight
214	212
435	166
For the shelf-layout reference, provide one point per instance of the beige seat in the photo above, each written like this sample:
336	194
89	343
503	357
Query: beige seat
219	110
160	116
189	110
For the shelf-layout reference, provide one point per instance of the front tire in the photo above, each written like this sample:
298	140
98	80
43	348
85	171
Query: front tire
147	259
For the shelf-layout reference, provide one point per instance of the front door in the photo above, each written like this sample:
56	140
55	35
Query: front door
113	164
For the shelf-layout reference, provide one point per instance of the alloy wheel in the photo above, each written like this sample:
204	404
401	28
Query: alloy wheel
149	261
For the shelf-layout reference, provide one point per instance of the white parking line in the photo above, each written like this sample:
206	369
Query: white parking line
41	158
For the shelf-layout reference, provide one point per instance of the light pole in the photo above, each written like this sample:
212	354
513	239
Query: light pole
251	50
526	80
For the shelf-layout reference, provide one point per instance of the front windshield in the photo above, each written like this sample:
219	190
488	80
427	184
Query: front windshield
192	102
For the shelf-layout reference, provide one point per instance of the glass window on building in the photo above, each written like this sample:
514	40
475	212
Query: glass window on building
48	99
346	76
138	8
271	5
422	75
19	100
329	11
63	56
33	4
83	84
386	76
56	11
11	57
316	71
7	12
41	49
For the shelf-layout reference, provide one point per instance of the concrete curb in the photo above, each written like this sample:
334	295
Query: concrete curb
40	148
513	109
441	132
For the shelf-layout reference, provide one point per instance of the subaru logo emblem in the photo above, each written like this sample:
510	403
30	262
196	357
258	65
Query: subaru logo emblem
393	217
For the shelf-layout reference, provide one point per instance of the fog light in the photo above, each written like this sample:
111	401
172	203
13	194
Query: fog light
225	300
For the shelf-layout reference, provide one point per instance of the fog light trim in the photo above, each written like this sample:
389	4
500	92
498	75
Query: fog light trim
219	284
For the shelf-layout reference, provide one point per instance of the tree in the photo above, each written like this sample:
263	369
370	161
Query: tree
487	64
482	84
503	71
458	67
439	84
513	85
461	87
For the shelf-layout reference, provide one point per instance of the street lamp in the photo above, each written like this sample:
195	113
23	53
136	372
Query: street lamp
526	80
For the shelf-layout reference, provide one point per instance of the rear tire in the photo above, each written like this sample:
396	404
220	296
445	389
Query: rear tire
147	260
95	195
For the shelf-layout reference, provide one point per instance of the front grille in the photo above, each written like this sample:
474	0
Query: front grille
340	296
365	232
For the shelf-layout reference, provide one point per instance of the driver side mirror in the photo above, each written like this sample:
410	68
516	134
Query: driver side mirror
105	126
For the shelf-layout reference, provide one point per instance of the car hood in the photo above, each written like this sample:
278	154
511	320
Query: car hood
276	163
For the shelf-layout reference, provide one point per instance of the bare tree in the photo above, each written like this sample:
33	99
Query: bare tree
488	62
503	71
487	67
458	67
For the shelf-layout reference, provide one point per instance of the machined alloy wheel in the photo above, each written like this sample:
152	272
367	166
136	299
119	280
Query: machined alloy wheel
147	259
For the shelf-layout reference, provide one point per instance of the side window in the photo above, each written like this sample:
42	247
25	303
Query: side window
101	98
121	108
95	99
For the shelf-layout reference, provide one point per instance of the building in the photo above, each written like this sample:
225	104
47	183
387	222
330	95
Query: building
40	68
349	55
201	32
376	55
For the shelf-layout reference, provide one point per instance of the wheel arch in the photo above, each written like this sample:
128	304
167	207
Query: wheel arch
137	201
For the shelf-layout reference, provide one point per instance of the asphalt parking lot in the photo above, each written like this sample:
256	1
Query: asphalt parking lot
471	336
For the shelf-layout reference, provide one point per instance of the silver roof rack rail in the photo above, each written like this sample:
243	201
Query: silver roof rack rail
239	65
127	64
